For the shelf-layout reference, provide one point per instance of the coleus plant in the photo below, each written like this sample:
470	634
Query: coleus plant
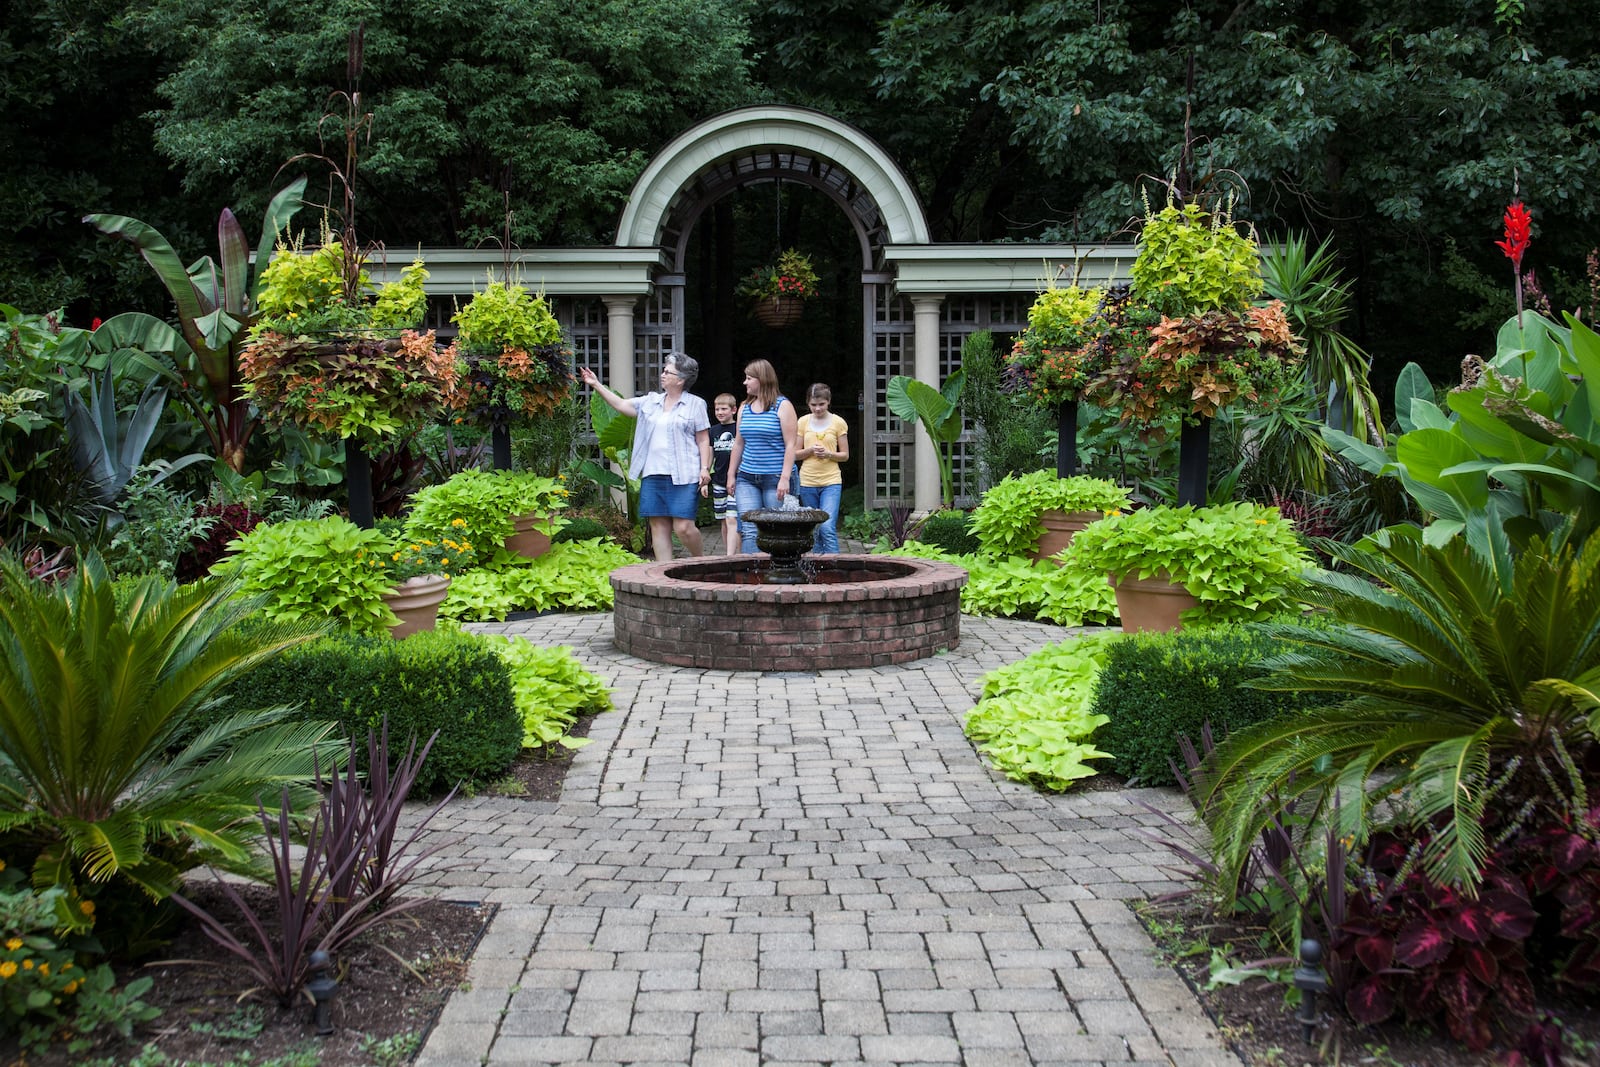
1408	940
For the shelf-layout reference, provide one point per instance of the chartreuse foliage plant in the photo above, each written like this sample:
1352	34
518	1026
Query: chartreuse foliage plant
1014	587
1451	681
315	569
1033	720
478	506
552	689
572	576
97	785
1192	261
1007	519
1240	561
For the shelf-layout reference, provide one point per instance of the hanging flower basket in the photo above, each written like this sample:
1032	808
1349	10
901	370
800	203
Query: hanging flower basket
778	290
776	312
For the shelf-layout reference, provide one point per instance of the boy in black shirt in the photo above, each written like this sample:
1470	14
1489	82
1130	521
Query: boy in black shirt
724	408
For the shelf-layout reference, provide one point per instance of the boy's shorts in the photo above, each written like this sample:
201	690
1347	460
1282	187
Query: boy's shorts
722	505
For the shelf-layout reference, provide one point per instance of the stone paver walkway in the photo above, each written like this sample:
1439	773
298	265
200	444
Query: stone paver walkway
808	869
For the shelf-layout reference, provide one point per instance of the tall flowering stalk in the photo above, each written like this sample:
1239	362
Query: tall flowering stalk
1518	225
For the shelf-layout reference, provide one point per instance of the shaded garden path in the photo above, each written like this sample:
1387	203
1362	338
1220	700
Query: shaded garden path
808	868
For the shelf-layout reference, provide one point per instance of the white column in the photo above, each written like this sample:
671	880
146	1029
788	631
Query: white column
619	361
619	343
925	360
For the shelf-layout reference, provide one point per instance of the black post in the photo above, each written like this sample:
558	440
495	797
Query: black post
1067	439
500	438
1194	448
358	481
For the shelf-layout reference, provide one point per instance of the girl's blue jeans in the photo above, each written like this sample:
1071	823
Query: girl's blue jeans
751	492
825	497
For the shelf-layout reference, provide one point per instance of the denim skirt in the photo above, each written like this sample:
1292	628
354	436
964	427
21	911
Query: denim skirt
659	496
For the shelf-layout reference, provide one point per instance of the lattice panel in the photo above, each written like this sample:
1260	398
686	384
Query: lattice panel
959	309
891	472
890	308
1008	312
583	320
891	355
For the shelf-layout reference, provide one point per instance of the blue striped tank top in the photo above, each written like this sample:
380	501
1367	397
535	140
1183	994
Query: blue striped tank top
763	440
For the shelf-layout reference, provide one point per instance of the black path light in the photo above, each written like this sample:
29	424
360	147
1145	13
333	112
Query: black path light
1310	979
322	986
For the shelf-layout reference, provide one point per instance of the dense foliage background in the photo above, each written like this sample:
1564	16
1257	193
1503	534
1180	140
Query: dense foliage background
1400	131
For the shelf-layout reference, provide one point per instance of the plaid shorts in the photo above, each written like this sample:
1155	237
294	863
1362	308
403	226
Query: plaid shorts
722	505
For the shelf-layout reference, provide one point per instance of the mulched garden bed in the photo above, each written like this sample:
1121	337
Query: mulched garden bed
1265	1032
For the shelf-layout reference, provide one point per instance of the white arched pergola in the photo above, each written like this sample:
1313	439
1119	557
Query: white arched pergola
921	299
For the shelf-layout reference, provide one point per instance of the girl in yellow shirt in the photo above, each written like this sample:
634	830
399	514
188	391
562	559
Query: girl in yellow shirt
822	444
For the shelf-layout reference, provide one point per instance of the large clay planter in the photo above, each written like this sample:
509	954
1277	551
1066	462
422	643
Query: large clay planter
415	602
1152	603
1059	526
528	542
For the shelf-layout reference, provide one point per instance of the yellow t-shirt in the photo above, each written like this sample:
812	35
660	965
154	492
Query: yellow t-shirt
818	470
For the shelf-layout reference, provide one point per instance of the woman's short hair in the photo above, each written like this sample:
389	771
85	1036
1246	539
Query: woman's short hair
686	367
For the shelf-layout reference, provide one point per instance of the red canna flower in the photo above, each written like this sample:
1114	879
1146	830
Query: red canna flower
1518	222
95	323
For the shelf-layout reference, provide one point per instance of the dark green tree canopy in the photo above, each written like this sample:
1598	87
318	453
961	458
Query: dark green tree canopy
562	104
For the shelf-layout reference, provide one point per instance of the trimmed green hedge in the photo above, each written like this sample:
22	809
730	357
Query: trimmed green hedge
1157	687
436	680
950	531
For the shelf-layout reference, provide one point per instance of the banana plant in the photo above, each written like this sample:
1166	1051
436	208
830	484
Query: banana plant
939	411
216	306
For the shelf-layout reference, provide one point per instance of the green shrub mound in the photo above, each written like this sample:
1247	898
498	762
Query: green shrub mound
435	680
949	531
1157	687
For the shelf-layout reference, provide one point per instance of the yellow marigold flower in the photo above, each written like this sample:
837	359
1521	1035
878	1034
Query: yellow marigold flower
395	557
1261	522
14	943
44	968
7	969
27	965
86	906
70	988
458	522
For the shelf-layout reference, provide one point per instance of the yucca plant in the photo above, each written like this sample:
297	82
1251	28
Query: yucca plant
96	780
1453	674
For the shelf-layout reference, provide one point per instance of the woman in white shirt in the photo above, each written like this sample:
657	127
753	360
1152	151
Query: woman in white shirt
671	453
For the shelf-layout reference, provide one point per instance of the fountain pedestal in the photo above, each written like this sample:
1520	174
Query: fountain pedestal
785	535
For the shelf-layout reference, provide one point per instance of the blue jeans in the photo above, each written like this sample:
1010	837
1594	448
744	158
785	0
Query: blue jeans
753	492
825	497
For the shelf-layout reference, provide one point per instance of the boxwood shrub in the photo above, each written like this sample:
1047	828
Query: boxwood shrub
1157	687
436	680
950	531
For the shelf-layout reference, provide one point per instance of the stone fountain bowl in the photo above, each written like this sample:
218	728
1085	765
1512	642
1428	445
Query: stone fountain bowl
856	611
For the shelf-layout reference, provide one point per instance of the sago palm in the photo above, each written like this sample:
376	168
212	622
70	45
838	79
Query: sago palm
1452	672
96	779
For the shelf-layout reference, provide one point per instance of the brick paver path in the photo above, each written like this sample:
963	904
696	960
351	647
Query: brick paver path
808	869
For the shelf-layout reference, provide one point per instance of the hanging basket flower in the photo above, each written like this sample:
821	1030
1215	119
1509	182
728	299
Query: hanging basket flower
778	290
511	359
1073	336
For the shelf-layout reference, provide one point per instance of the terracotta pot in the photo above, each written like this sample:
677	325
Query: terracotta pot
528	542
415	602
1152	603
777	312
1059	526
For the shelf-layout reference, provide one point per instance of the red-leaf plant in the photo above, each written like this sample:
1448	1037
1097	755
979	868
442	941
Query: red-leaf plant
1407	941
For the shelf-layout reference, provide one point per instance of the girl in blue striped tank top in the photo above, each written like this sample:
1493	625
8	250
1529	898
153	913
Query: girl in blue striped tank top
763	448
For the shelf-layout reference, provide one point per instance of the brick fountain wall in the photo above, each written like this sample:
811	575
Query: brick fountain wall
861	611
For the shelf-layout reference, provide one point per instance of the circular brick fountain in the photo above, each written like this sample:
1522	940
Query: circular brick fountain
857	611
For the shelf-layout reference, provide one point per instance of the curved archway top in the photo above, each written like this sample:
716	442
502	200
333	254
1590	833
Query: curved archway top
701	147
